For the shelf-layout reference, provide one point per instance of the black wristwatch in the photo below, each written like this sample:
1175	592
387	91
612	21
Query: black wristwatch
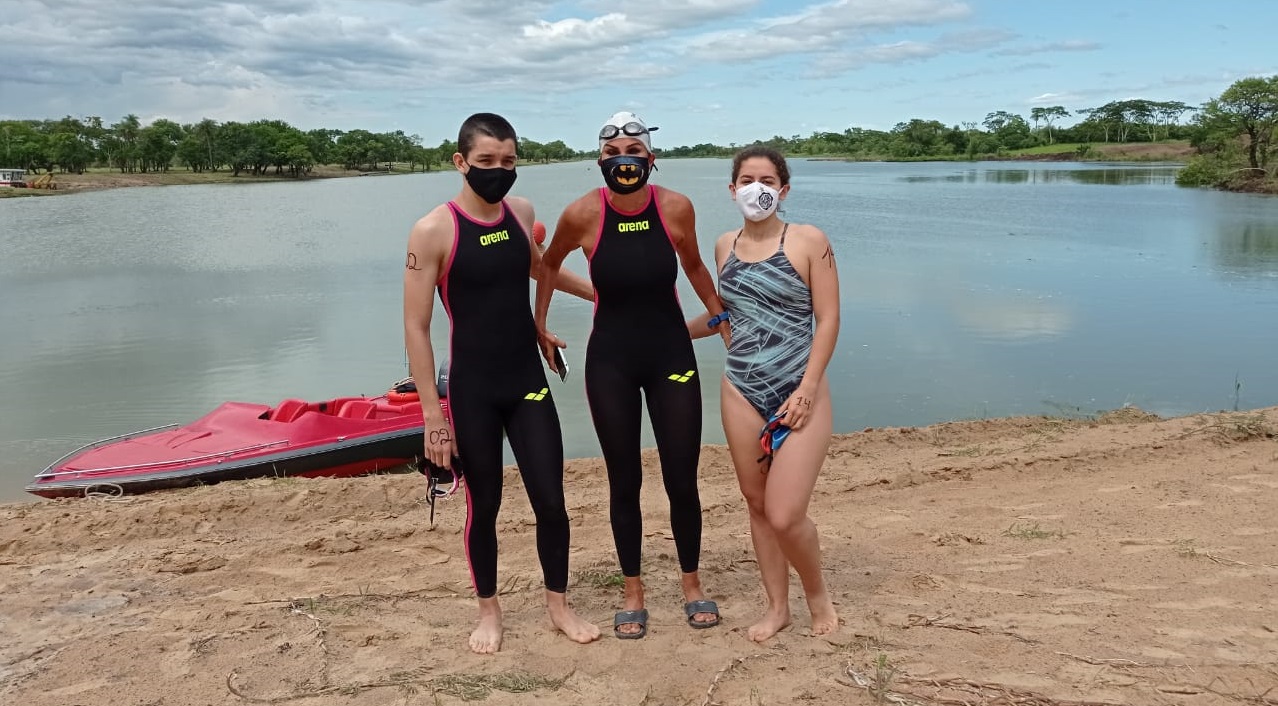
717	319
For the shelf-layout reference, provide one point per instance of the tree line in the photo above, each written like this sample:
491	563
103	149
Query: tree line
1242	118
259	147
1002	131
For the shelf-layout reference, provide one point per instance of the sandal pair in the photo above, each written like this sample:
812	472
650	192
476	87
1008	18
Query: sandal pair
640	618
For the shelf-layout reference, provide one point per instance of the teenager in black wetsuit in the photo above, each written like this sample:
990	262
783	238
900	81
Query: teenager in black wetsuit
476	250
635	236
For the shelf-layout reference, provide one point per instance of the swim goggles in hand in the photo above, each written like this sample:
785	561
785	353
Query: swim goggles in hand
771	437
440	482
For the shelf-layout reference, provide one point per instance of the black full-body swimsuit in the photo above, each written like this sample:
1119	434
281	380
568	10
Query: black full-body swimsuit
640	344
497	384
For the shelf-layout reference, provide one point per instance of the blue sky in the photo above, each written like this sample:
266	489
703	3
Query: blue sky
722	71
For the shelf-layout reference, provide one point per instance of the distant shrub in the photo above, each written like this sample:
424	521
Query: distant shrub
1203	170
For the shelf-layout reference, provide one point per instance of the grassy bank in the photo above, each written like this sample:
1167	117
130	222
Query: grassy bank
110	178
1167	151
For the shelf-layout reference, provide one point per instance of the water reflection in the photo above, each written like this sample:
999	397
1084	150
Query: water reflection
1014	318
1161	175
1246	248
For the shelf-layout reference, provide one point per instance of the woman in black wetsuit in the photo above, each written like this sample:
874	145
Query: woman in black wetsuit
476	251
635	236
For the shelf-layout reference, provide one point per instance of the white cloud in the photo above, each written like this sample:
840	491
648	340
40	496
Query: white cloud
1047	47
1054	98
836	35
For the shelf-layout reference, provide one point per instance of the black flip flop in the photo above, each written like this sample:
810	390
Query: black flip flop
624	617
691	608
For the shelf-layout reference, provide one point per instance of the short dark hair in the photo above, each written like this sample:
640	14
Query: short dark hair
777	159
490	124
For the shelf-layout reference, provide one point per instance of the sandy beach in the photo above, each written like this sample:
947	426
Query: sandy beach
1122	560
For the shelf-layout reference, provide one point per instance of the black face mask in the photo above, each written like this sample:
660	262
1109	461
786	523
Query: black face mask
491	184
625	173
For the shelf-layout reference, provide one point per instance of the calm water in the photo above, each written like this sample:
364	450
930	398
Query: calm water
969	290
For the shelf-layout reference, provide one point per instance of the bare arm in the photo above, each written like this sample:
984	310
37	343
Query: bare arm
697	327
823	279
568	236
428	241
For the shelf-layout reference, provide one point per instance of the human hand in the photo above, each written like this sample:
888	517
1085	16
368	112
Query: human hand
725	332
796	410
548	343
440	446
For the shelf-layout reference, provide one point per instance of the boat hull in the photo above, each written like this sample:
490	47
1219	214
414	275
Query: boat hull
240	441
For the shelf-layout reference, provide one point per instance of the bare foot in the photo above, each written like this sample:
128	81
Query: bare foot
486	639
634	601
567	621
770	624
692	592
824	618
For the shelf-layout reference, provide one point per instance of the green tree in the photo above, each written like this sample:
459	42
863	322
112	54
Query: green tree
126	133
1048	115
1248	107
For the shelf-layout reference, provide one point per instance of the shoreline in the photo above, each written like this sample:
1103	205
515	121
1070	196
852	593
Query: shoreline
1068	560
99	179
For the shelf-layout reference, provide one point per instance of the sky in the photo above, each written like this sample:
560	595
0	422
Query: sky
720	71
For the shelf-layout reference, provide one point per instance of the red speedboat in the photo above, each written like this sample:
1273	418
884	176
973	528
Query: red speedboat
344	436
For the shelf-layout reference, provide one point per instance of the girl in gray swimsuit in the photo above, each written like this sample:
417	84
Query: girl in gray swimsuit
771	314
780	290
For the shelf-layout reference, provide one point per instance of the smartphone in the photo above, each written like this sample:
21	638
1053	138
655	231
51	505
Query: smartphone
561	364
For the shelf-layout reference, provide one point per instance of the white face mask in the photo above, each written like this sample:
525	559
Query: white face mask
757	200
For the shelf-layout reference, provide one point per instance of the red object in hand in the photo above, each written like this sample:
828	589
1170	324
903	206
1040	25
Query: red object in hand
539	232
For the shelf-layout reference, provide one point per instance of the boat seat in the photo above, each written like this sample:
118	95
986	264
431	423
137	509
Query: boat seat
289	410
357	409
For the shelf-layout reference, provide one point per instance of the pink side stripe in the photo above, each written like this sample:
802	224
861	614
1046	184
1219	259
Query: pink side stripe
443	296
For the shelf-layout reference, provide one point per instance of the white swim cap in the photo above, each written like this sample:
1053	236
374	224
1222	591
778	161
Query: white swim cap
625	124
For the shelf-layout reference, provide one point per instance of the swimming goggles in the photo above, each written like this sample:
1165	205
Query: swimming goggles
771	437
631	129
440	482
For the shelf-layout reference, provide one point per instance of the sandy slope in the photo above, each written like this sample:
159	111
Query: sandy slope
1014	561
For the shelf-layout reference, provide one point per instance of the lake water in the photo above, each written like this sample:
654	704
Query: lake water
968	291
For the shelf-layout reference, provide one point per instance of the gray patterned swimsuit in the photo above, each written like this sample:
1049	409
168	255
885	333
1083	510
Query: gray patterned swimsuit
772	327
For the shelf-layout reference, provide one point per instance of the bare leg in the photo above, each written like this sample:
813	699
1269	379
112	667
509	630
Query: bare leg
633	601
486	639
782	532
791	480
566	620
741	424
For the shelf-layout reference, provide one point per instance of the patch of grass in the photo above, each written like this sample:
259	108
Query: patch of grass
596	578
1033	531
1236	428
884	673
474	687
1058	148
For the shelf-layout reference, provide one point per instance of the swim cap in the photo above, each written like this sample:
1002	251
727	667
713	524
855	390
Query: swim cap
539	232
625	124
